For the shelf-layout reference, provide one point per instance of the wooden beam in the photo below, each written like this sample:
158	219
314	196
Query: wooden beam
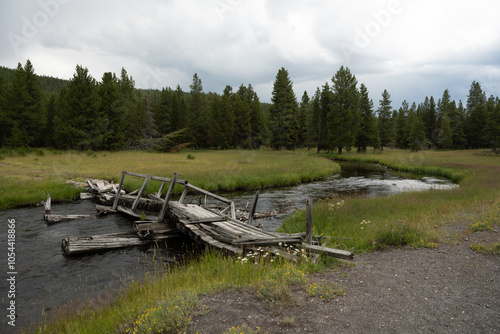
338	253
167	197
209	220
161	189
136	202
253	207
118	191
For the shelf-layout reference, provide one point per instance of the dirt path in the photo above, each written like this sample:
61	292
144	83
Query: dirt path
450	289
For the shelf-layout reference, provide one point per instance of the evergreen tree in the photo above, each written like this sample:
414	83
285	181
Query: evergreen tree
78	119
368	131
198	113
492	129
445	138
24	110
457	123
325	105
302	119
282	114
343	118
430	119
49	140
5	124
242	128
402	126
256	122
110	113
178	115
164	114
476	116
384	119
416	134
224	121
314	124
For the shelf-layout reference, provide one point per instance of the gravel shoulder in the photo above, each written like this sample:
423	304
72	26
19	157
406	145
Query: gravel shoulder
449	289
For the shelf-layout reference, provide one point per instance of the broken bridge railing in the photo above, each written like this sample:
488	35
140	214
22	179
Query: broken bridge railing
172	182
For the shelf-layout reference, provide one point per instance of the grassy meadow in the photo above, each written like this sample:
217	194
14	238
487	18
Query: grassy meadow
417	219
165	301
27	178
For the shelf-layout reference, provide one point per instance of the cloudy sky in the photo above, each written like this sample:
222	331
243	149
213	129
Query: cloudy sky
412	48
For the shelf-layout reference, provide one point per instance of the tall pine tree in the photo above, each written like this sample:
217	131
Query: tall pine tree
385	126
368	131
283	113
344	117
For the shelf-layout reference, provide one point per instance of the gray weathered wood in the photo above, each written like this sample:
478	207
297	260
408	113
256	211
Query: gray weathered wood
168	196
158	194
309	223
118	191
253	207
338	253
52	219
141	191
85	196
76	245
48	204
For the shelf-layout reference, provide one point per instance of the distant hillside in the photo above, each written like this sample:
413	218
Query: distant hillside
50	84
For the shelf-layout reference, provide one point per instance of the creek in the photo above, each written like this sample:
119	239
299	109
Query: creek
47	279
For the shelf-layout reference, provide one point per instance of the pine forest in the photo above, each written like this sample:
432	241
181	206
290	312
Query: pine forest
110	113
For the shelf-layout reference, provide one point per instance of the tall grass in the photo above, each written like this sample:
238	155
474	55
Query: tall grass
415	218
177	291
27	178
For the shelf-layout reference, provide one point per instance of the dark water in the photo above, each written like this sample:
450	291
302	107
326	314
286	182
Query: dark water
47	279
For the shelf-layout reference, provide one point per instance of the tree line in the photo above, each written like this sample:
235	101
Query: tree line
112	114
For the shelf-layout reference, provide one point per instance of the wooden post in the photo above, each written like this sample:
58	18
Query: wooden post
253	207
167	198
136	202
161	189
309	224
119	190
48	204
183	195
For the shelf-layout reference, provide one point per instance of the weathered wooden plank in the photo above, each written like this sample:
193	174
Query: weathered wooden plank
132	213
75	245
338	253
52	219
253	207
85	196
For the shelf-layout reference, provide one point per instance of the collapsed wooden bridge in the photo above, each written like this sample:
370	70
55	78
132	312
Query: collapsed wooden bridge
163	218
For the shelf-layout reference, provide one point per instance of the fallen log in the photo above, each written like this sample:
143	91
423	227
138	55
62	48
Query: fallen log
52	219
76	245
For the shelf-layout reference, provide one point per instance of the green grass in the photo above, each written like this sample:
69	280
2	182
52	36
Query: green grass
415	219
27	178
168	299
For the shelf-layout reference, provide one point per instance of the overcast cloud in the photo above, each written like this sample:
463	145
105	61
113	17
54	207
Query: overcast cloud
411	48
